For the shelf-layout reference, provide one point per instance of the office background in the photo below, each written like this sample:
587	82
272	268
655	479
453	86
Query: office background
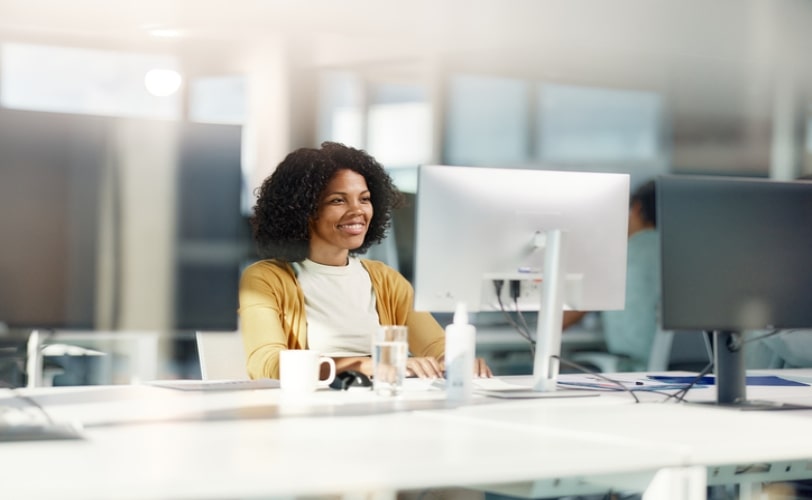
642	87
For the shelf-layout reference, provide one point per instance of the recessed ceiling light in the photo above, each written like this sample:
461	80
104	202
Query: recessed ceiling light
162	82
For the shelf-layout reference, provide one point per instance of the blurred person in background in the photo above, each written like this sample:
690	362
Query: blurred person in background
630	332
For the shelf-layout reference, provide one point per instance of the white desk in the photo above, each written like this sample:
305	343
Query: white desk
149	442
736	446
187	445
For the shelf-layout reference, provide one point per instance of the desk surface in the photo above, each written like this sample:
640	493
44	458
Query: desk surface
152	442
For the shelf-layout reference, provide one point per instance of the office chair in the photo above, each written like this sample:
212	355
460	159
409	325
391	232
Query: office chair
221	355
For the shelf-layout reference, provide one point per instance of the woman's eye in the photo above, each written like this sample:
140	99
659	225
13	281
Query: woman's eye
366	199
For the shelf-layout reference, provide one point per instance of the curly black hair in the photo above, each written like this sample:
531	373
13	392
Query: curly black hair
289	198
646	195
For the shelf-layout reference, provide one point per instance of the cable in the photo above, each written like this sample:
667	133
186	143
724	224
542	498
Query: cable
736	342
525	333
29	401
515	293
630	390
761	337
680	394
520	315
584	369
32	402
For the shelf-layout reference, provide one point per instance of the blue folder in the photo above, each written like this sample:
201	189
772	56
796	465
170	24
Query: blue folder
711	380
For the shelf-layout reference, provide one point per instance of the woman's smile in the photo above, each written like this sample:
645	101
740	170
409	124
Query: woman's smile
353	228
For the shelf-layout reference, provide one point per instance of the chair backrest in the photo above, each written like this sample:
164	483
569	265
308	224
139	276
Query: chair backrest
605	362
222	355
660	354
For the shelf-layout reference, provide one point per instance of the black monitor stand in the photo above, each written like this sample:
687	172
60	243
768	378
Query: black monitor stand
731	375
728	363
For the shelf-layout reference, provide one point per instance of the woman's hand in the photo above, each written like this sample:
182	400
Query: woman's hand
424	368
361	364
481	369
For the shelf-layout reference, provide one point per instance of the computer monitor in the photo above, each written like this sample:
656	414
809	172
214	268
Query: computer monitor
561	235
735	257
52	169
61	203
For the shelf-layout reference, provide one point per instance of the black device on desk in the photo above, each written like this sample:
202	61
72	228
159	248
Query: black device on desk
350	378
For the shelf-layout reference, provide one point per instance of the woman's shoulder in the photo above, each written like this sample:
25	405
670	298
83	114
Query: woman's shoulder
382	273
378	267
269	267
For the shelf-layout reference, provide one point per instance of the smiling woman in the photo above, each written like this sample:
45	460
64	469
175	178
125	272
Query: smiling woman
318	211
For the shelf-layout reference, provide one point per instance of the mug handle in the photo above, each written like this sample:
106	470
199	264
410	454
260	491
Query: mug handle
326	382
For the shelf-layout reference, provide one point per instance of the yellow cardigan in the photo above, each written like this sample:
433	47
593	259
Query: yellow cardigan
272	313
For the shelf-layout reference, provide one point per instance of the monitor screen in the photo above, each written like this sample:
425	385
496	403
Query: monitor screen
735	255
561	235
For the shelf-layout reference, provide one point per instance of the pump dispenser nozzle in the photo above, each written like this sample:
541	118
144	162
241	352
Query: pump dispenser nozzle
461	314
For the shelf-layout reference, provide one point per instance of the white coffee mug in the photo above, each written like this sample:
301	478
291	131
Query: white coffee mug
299	370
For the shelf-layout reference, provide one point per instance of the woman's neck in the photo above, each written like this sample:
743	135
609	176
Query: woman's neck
341	259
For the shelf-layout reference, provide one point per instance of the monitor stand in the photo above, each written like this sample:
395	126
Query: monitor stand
22	418
731	375
551	310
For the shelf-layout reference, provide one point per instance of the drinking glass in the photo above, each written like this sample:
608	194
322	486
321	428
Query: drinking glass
389	351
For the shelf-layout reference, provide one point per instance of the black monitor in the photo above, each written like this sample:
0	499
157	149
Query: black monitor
735	257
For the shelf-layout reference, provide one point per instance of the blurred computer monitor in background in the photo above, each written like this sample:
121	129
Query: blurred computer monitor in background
61	204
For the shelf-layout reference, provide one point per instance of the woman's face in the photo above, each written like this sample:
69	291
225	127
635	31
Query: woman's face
342	219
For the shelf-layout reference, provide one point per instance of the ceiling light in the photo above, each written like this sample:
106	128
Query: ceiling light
162	82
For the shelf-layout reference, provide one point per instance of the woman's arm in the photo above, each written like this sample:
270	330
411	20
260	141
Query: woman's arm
271	316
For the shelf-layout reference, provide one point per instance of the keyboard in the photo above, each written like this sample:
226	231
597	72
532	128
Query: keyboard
217	385
498	388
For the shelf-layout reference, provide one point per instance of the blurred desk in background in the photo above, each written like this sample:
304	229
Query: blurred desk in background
136	354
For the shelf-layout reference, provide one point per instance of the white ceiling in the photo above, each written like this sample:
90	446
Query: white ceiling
671	35
711	56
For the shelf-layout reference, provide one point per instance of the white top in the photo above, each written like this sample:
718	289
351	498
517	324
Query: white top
340	308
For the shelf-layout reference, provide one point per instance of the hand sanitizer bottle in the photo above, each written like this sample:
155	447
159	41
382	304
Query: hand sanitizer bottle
460	350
